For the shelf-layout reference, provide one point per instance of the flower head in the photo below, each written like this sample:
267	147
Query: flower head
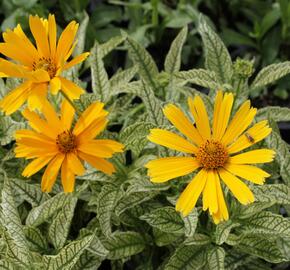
214	152
52	141
40	66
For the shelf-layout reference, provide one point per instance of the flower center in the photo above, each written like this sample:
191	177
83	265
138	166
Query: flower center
212	155
46	64
66	142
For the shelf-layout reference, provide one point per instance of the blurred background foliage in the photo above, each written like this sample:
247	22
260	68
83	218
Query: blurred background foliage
257	30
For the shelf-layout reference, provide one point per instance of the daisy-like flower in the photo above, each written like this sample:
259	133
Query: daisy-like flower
213	152
39	66
52	141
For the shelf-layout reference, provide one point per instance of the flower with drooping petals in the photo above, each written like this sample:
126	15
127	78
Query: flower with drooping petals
39	66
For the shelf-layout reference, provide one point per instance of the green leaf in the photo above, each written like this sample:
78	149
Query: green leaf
271	74
197	239
173	58
7	129
163	239
277	193
278	114
59	228
6	265
202	77
274	141
134	137
36	240
261	247
268	223
121	79
68	256
110	45
223	230
190	223
100	81
165	219
284	246
153	105
216	258
186	258
96	247
44	211
81	35
130	200
247	211
106	202
143	184
14	235
28	192
217	57
87	261
144	61
124	244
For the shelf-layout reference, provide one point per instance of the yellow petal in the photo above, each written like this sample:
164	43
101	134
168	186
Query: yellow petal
51	173
67	177
254	156
12	70
29	152
94	111
15	99
67	114
257	133
248	172
17	36
39	124
74	164
52	34
216	114
164	169
40	35
65	41
242	119
26	133
37	96
237	187
94	129
36	165
55	85
52	117
38	76
209	193
224	115
99	163
70	89
100	148
222	214
200	116
189	196
78	59
171	140
12	51
182	123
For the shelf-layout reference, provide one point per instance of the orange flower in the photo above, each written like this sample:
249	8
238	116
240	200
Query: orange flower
53	142
39	66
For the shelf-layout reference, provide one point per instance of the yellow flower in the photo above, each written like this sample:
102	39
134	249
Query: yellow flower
214	152
39	66
53	142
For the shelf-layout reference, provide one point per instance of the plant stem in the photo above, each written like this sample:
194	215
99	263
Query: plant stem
70	102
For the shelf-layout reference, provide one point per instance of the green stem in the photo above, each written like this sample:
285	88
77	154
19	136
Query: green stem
70	102
238	91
